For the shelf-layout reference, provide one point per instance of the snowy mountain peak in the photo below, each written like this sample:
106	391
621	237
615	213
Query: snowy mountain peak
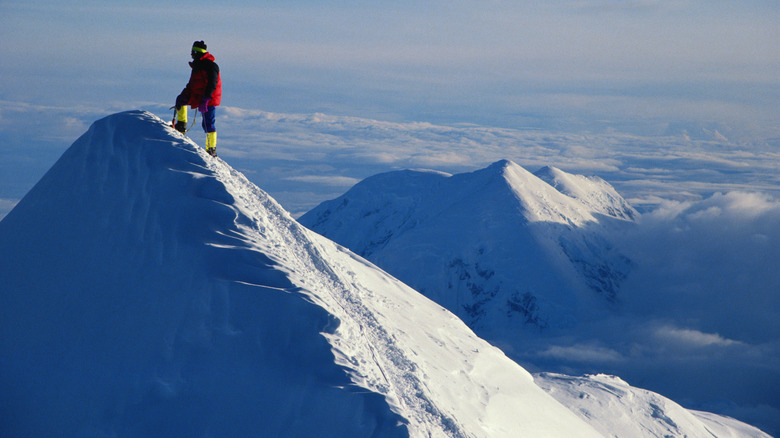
151	290
541	202
500	247
501	167
540	193
593	191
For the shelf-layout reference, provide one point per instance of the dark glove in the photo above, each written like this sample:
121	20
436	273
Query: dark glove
204	105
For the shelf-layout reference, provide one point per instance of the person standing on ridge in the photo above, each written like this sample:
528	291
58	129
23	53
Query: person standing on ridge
204	92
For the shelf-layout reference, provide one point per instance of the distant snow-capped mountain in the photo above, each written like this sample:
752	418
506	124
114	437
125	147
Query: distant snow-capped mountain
501	247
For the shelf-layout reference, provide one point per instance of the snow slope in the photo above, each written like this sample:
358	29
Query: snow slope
500	247
617	409
149	290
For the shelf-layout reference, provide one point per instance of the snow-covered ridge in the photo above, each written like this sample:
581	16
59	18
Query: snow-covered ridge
150	290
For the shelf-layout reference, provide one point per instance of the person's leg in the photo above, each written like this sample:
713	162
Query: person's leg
211	143
181	119
209	121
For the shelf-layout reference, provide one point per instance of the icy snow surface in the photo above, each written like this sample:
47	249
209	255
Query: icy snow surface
150	290
616	409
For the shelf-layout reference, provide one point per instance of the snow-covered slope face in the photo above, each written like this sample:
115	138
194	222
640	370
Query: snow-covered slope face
500	247
616	409
150	290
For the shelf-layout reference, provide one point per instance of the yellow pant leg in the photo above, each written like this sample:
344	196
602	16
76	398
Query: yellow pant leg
211	142
181	114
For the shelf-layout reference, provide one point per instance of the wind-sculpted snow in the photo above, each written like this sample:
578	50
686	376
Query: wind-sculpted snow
615	408
150	290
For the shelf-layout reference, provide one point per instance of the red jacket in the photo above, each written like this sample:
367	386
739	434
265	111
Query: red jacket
205	80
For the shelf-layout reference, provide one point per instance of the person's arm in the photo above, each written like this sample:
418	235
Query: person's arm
212	73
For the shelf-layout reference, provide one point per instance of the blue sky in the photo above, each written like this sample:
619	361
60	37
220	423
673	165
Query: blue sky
562	65
641	67
647	68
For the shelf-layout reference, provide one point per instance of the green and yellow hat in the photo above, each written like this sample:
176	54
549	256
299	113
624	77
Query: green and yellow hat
199	47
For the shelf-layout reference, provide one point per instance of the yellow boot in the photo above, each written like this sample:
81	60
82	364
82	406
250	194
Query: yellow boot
181	119
211	143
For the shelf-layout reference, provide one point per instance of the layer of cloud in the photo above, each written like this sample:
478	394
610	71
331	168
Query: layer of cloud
644	169
698	315
284	151
338	181
591	354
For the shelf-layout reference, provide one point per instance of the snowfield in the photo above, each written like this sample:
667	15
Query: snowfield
151	290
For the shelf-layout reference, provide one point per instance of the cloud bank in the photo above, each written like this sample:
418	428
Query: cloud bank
698	318
304	159
646	170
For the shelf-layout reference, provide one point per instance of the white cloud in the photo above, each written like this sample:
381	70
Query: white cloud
582	353
712	261
644	169
275	146
743	205
692	338
338	181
